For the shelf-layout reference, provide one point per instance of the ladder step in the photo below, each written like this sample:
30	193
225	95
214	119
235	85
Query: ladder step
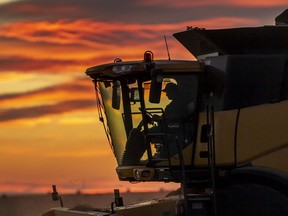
198	183
202	181
159	159
156	134
198	172
198	197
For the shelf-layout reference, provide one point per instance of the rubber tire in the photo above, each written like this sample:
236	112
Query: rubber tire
251	200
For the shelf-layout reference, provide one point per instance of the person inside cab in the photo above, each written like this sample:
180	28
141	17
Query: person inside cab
171	123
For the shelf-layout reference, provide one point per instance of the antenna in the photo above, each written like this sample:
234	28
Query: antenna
167	48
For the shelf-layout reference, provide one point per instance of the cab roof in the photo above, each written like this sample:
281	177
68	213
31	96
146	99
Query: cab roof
119	69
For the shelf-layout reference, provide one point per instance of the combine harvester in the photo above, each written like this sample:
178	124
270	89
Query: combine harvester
218	125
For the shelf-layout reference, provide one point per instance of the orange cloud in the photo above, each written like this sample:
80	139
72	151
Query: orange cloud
44	110
73	45
28	64
29	8
99	34
207	3
80	88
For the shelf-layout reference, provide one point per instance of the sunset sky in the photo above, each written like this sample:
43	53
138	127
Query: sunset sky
49	128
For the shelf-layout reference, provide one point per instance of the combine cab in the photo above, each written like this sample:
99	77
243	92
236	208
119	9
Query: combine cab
218	125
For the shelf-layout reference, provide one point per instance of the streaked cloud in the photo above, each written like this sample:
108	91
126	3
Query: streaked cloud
102	35
209	3
136	11
80	85
103	42
43	110
17	63
16	85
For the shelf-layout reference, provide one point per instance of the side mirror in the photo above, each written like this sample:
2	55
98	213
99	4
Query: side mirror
156	86
134	96
116	95
155	89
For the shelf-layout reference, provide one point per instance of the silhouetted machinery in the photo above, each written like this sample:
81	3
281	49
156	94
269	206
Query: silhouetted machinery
218	125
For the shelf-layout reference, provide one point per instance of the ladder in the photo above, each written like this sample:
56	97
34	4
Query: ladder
204	203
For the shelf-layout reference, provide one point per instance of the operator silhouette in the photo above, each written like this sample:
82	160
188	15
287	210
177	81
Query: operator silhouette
172	119
173	110
173	114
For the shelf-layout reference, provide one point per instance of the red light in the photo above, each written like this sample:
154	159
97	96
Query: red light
148	56
117	60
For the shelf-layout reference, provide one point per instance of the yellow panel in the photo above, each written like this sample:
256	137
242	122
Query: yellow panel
262	130
276	160
225	122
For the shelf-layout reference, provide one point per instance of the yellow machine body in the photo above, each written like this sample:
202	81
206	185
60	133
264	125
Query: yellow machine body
218	125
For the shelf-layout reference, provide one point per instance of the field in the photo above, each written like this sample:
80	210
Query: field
34	205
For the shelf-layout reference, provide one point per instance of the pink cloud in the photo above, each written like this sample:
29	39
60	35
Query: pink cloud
100	34
207	3
73	45
44	110
32	8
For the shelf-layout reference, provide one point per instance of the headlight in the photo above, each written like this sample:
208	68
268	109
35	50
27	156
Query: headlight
144	174
118	69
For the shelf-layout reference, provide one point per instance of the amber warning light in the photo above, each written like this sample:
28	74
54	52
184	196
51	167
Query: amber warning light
148	56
